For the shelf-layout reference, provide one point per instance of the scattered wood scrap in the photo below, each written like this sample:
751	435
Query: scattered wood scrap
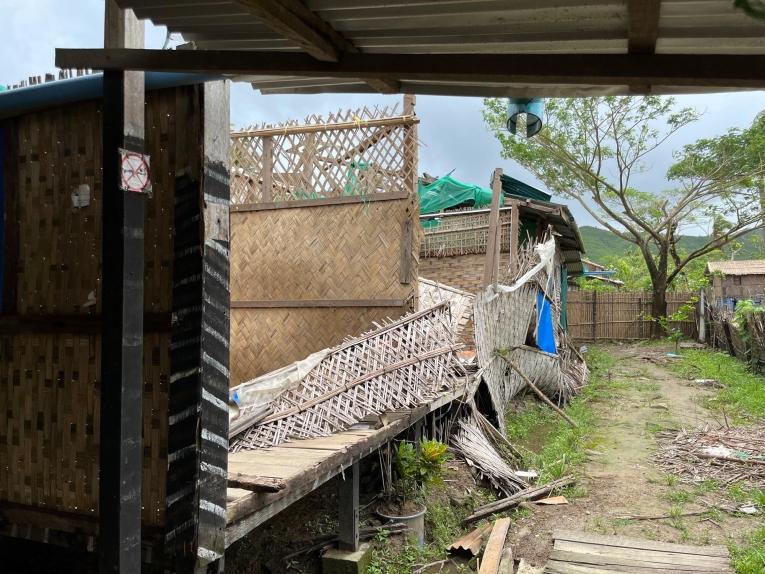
324	540
255	483
727	455
472	542
492	556
509	502
582	553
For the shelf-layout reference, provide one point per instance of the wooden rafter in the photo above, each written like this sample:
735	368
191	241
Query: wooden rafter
295	21
676	70
643	17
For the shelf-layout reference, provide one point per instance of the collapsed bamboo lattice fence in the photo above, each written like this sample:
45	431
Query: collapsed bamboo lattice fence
348	153
621	316
744	340
398	365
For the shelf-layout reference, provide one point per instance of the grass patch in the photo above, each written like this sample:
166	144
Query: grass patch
679	496
742	493
547	442
749	557
742	397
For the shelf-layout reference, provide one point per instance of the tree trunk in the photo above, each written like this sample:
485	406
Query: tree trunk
658	307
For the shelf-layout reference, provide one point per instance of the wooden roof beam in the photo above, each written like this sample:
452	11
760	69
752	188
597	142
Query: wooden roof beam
671	70
298	23
643	27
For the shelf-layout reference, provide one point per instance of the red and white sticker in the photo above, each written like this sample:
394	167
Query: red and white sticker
134	168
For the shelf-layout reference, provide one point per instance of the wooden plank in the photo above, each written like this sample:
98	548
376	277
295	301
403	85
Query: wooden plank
490	265
666	70
643	25
408	119
320	201
121	452
405	265
492	555
255	483
313	303
636	562
268	168
555	567
655	556
627	542
515	232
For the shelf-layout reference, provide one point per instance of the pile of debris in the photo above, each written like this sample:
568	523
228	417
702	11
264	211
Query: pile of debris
726	455
519	324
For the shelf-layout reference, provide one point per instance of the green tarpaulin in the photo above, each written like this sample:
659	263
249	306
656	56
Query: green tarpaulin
448	193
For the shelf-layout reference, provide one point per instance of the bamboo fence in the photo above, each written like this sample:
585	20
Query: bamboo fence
621	316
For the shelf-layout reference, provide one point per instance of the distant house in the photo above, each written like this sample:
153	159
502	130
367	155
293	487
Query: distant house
596	272
735	280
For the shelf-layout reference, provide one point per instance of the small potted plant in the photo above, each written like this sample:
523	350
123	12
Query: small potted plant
416	468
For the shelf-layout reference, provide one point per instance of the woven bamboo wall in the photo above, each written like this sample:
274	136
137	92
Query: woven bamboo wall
620	316
49	381
300	277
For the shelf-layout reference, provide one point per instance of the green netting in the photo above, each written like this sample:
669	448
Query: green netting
449	193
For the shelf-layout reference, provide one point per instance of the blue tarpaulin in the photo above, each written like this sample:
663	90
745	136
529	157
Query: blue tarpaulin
545	333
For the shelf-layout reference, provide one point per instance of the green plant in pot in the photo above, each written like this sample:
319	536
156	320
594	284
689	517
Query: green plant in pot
416	468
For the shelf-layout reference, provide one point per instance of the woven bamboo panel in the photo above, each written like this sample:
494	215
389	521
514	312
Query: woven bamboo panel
307	163
49	423
263	340
58	151
463	234
350	251
49	383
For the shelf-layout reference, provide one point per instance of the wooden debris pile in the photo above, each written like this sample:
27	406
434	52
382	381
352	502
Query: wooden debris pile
399	365
726	455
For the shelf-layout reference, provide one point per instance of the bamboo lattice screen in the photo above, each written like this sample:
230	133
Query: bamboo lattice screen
347	153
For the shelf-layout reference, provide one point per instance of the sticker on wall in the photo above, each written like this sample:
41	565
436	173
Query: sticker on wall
81	196
135	173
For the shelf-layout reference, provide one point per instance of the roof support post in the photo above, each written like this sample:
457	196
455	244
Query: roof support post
514	235
492	239
199	359
122	245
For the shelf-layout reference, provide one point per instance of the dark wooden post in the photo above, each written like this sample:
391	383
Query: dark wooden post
348	498
198	409
514	235
594	315
122	244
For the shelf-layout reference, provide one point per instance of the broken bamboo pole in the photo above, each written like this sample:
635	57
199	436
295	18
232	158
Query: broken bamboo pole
512	501
538	392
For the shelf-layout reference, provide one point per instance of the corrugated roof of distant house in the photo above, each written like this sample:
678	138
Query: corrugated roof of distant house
744	267
515	187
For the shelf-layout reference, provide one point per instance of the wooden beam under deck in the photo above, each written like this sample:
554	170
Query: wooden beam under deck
307	464
669	70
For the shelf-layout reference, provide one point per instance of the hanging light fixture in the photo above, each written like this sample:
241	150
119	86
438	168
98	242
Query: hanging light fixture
530	108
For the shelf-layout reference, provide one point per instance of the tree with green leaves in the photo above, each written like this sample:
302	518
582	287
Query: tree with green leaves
590	150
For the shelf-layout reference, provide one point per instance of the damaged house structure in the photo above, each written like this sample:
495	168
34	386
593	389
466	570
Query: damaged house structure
119	435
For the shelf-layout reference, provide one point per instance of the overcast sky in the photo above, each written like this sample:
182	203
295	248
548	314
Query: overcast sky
452	133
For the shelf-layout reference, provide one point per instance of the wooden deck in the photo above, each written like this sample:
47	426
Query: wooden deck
307	464
582	553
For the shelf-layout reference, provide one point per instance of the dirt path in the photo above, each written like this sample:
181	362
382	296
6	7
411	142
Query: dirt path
620	478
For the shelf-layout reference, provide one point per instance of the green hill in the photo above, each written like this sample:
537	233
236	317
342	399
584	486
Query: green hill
601	244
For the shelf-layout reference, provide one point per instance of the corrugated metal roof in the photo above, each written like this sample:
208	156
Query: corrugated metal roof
465	26
744	267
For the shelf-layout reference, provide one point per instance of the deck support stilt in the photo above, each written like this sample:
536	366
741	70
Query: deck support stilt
348	498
